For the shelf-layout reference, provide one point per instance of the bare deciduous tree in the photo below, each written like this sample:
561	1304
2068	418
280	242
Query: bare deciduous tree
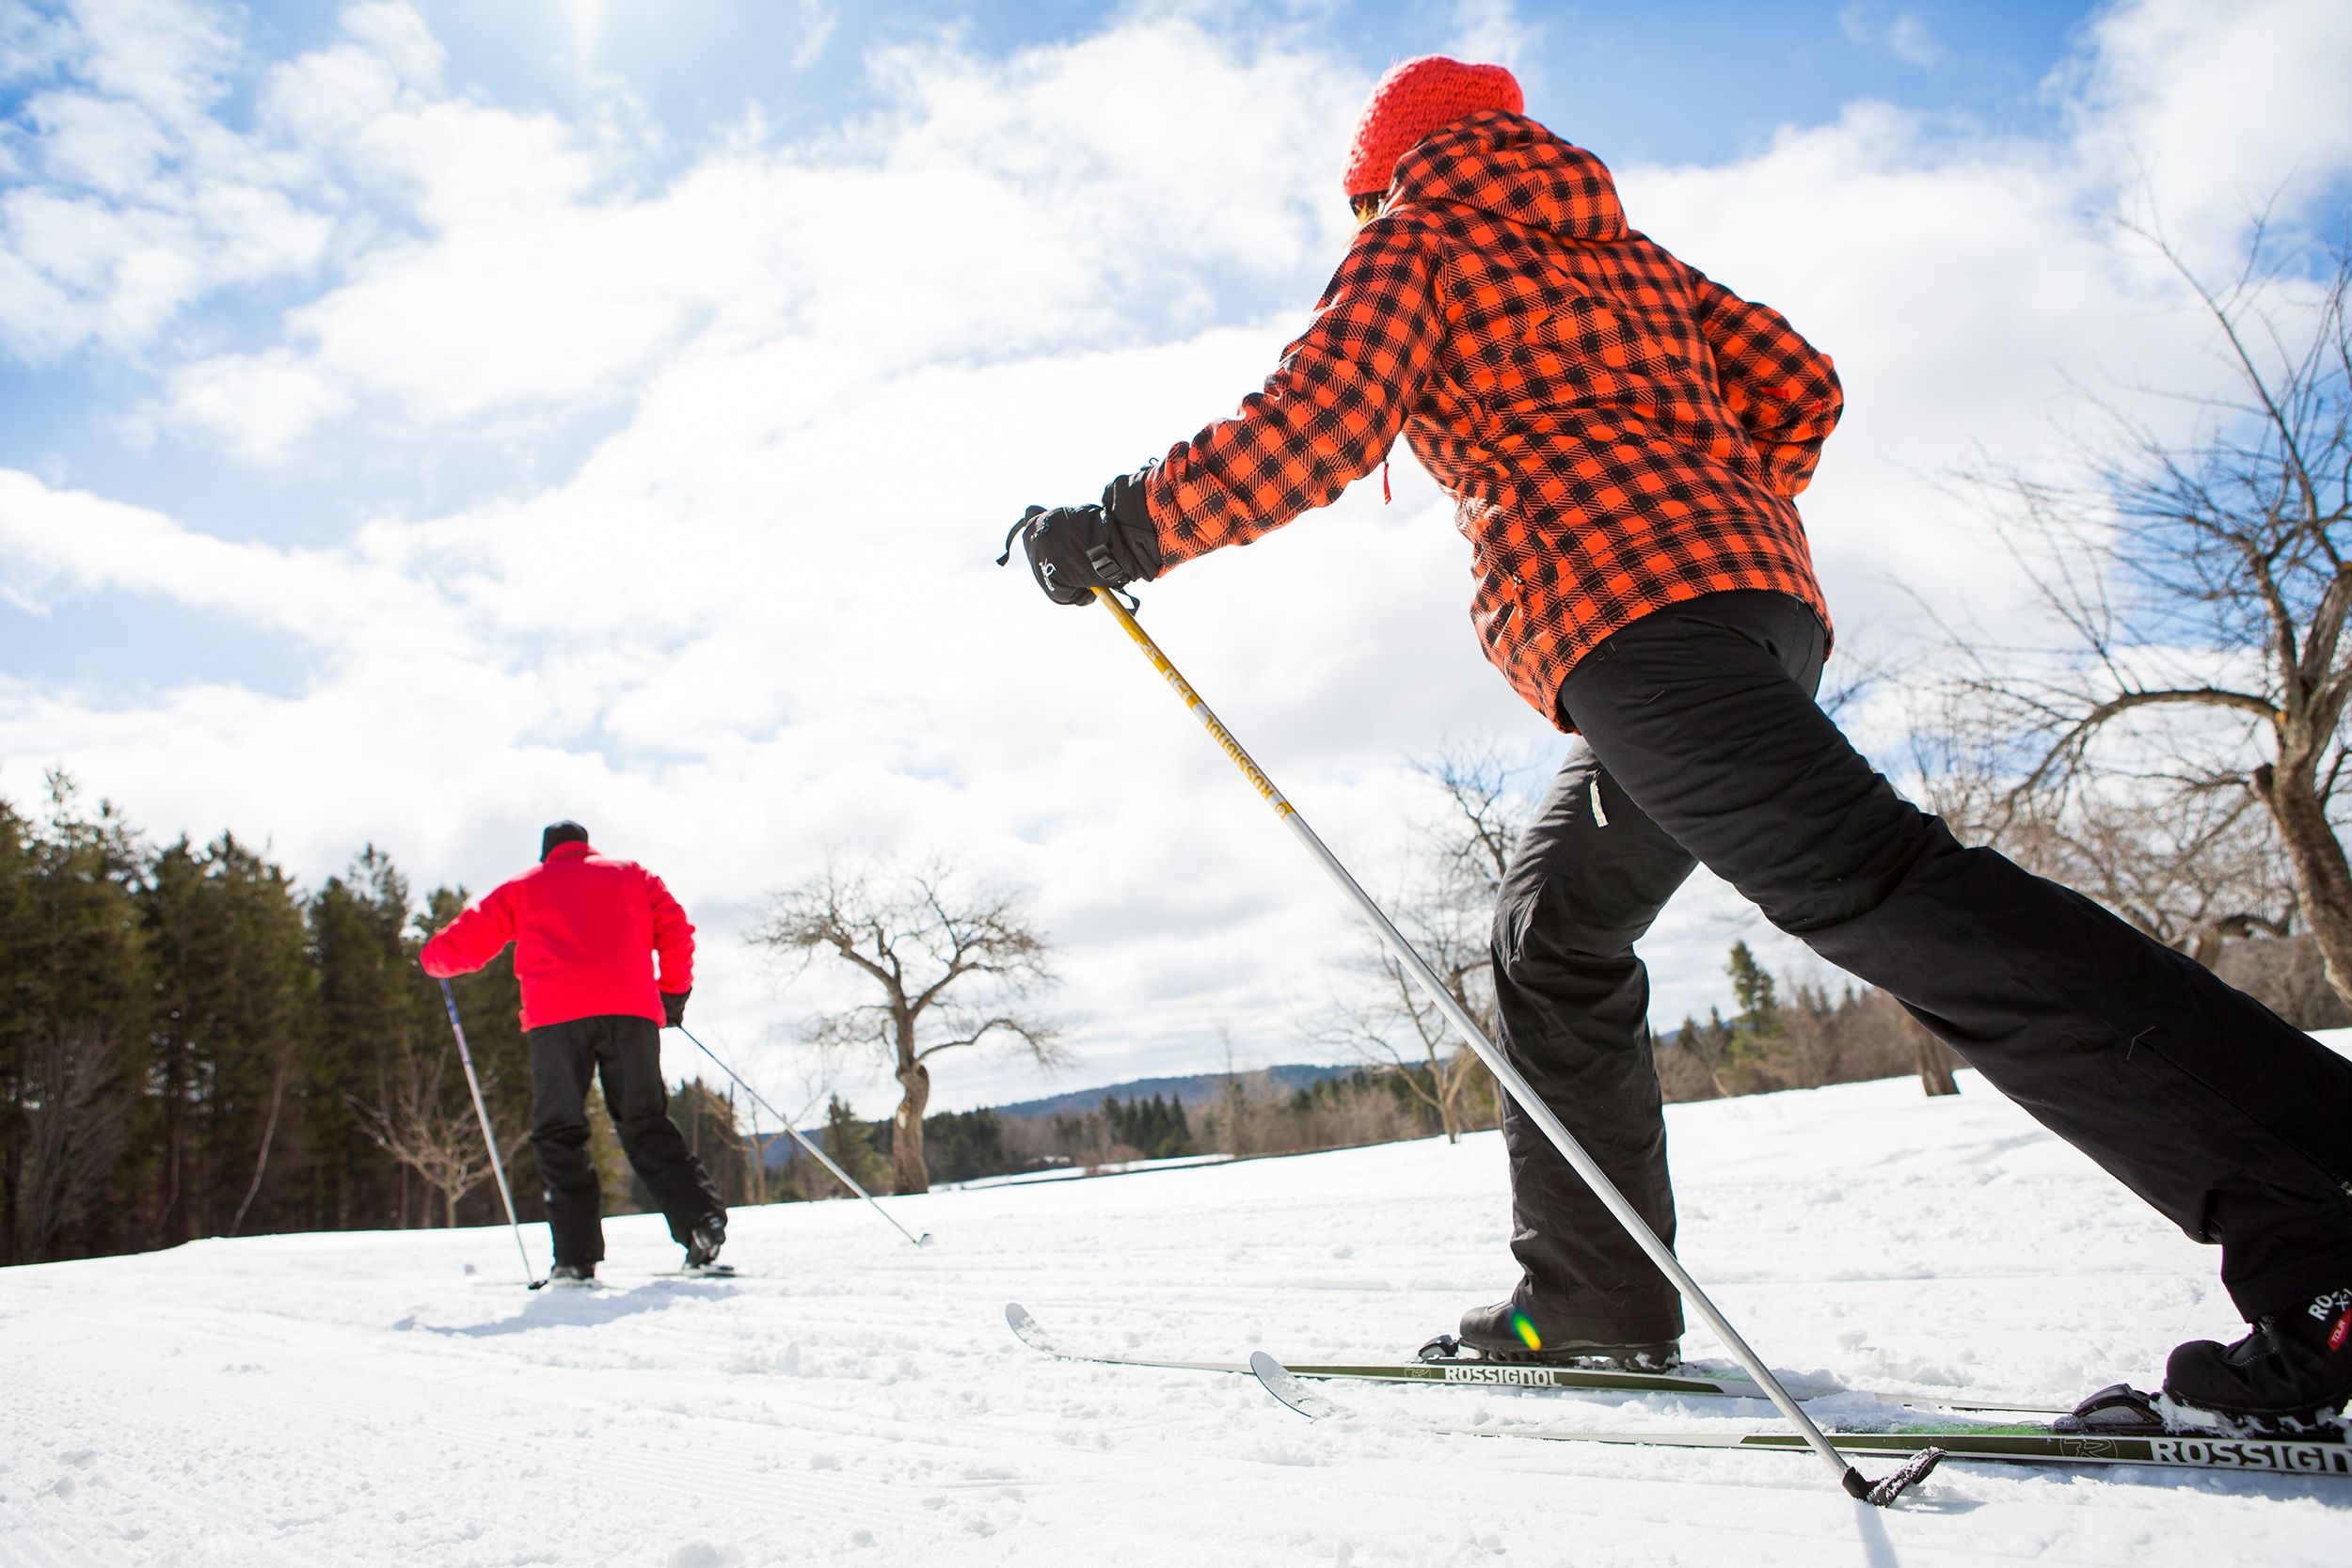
421	1119
79	1127
953	965
2188	862
283	1069
1446	913
2203	586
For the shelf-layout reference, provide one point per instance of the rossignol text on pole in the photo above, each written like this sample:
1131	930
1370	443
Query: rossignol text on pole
498	1165
786	1122
1505	1074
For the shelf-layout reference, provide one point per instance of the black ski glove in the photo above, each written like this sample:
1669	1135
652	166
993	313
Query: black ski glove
1074	549
674	1006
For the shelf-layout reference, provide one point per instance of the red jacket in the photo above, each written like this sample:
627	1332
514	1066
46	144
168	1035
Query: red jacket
585	930
1618	432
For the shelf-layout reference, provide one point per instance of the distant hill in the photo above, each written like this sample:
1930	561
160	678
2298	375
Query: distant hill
1192	1090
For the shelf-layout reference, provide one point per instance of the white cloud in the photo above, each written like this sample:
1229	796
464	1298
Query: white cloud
1906	35
1912	41
135	201
394	33
53	540
757	623
261	406
818	22
2217	110
1493	31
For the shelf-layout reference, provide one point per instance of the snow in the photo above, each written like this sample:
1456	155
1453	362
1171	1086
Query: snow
399	1399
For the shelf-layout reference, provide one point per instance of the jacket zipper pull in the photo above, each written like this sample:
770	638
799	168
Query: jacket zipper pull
1385	497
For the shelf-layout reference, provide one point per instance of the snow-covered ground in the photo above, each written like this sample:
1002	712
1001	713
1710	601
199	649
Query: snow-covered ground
399	1399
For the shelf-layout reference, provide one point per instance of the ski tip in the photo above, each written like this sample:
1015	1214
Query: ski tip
1031	1332
1278	1380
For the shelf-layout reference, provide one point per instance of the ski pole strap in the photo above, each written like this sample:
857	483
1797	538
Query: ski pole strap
1013	532
1106	566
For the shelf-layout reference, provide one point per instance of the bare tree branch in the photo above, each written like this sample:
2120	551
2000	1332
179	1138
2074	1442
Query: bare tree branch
948	960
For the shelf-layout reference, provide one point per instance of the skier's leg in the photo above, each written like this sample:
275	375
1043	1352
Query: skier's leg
562	1058
2234	1125
629	1051
1572	1001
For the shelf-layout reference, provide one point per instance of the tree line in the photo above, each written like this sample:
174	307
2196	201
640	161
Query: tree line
192	1046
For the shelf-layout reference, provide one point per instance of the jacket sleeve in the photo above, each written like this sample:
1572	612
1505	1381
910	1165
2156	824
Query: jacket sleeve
1326	416
1782	389
673	939
474	938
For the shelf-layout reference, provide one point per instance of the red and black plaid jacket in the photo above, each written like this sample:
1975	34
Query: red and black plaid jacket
1618	432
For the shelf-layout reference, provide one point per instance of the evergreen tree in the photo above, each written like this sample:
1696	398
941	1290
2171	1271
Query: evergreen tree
706	1119
75	1033
852	1145
1752	987
964	1146
1155	1129
233	1000
368	1013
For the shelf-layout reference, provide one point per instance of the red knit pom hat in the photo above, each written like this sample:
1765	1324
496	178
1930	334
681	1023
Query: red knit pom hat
1414	100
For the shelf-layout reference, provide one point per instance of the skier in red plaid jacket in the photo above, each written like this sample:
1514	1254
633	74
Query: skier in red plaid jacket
1625	440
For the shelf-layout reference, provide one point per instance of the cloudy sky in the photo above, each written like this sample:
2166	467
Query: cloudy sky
422	420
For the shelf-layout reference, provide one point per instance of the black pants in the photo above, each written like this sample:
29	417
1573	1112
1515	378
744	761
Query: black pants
627	1051
1700	742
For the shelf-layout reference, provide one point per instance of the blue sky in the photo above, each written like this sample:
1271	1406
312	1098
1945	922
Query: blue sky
419	421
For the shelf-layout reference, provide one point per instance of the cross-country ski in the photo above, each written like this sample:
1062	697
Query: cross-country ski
1691	1380
1985	1442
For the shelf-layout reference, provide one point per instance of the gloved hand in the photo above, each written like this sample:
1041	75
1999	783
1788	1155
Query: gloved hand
674	1006
1074	549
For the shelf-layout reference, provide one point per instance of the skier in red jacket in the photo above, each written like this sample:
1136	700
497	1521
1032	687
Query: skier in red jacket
586	930
1625	439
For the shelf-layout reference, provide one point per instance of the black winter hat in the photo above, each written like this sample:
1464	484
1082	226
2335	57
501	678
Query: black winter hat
561	833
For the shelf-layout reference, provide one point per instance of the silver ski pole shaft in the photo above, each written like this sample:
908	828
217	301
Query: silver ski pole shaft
1509	1076
497	1166
786	1122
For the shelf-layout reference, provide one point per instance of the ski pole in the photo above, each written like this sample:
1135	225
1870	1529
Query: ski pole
498	1165
786	1123
1517	1086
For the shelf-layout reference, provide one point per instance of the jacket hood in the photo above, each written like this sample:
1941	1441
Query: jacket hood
1507	165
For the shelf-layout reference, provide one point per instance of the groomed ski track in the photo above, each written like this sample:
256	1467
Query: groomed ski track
847	1399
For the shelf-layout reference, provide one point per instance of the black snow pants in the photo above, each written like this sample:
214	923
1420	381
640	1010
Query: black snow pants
627	1051
1700	742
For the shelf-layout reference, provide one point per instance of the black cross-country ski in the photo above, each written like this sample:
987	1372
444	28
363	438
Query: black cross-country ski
1708	1383
2005	1443
708	1271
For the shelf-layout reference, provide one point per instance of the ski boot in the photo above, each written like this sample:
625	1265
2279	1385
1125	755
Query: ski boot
2292	1372
703	1244
572	1274
1506	1331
